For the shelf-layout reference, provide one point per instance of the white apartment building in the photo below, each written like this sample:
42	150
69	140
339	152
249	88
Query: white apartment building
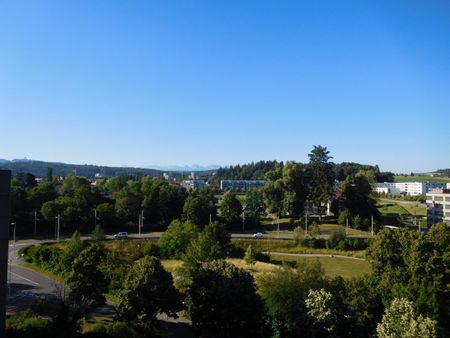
241	184
408	188
438	206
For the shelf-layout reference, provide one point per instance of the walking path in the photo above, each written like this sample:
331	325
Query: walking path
312	255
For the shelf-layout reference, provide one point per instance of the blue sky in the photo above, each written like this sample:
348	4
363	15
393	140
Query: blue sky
224	82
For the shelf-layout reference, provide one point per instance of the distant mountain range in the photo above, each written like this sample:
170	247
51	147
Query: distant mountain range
194	167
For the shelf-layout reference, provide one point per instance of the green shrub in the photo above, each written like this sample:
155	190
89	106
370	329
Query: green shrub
49	258
97	331
120	330
26	324
98	328
151	249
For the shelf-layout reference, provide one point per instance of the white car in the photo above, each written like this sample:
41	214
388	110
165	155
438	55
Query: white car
258	235
121	235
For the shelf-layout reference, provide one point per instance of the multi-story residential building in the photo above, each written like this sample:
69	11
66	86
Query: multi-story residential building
241	184
408	188
193	184
438	206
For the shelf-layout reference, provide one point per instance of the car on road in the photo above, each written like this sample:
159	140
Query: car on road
121	235
258	235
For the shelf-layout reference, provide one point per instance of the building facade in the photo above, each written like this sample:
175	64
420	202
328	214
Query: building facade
193	184
241	184
438	206
408	188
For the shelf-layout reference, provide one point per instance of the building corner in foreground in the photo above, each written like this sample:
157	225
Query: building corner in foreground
5	190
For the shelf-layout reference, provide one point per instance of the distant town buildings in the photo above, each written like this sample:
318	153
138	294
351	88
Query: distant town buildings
241	184
438	206
408	188
193	184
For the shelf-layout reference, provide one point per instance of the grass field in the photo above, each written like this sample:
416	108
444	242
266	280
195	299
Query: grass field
303	250
421	179
333	266
387	206
391	208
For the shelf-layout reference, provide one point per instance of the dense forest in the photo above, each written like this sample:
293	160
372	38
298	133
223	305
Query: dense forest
39	169
258	171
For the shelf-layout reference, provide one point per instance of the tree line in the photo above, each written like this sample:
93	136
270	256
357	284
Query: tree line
294	190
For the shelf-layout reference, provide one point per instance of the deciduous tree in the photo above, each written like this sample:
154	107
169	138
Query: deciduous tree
148	290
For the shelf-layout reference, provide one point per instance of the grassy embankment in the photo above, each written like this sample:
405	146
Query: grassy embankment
332	266
406	210
421	179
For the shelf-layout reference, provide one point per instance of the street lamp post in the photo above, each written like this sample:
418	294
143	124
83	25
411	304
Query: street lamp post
14	239
57	226
306	223
141	221
35	222
371	217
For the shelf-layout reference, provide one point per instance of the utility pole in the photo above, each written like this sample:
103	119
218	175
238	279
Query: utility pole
371	218
278	233
35	222
306	224
59	218
346	226
243	218
141	221
95	218
56	226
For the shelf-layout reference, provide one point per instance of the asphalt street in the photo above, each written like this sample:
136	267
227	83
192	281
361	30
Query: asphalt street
27	287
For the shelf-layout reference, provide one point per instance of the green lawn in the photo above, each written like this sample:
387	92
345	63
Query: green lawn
421	179
275	221
408	210
391	208
334	266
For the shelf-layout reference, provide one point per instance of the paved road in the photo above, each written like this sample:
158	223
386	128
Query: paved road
26	286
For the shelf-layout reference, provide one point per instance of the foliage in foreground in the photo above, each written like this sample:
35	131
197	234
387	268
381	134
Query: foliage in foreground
222	301
87	282
148	290
401	320
415	266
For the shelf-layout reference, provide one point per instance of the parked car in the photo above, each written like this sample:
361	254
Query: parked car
258	235
121	235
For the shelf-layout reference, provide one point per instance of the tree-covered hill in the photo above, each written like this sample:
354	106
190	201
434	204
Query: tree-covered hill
39	169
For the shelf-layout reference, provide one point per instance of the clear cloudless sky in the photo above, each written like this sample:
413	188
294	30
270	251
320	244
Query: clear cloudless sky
223	82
